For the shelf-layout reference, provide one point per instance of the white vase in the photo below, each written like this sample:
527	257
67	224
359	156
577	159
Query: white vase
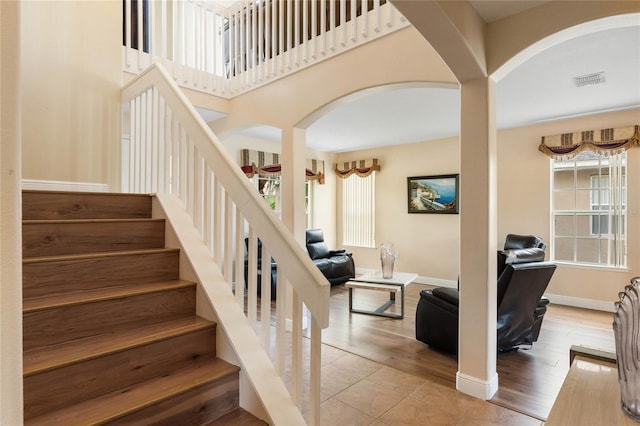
388	256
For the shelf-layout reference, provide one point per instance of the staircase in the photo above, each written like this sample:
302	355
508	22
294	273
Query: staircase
110	331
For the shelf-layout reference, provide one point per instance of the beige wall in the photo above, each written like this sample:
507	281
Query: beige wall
428	244
71	78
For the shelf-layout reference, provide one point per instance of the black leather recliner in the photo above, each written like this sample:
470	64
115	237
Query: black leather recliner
522	280
336	265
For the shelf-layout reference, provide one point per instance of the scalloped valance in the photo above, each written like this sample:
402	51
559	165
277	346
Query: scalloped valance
605	141
362	168
268	164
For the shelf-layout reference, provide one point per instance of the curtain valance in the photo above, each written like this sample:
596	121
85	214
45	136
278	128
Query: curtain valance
605	141
362	168
268	164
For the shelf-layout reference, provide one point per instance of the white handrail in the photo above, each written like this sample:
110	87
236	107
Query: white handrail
172	151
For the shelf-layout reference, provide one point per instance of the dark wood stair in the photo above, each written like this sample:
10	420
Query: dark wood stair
110	331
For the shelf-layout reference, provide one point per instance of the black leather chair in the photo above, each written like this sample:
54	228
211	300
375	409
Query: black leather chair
522	280
336	265
274	269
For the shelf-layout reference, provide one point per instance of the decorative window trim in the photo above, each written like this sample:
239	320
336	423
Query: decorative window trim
268	164
362	168
608	141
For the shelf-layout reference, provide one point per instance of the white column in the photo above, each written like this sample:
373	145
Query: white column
477	374
293	181
10	220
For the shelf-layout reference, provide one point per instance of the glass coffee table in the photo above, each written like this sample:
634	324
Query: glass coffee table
374	281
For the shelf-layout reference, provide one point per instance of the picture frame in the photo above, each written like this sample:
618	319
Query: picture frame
437	194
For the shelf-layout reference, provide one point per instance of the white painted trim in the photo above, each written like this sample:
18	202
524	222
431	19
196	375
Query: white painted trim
54	185
477	388
579	302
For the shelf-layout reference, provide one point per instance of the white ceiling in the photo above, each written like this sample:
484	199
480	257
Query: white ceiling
541	89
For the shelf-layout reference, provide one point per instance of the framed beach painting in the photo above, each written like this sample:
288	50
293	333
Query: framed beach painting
433	194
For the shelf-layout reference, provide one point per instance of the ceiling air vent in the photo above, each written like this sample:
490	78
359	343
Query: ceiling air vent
588	79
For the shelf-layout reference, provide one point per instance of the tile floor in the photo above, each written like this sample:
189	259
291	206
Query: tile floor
357	391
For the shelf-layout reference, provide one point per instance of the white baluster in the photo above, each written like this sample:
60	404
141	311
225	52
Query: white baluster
217	220
323	26
189	182
377	16
127	33
305	31
343	22
365	19
296	38
155	126
208	209
289	33
141	31
296	345
281	27
265	299
228	238
354	21
315	372
252	275
239	278
332	25
314	28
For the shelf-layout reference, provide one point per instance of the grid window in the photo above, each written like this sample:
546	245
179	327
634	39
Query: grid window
589	210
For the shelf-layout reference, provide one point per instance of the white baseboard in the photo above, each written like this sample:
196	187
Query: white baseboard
53	185
477	388
579	302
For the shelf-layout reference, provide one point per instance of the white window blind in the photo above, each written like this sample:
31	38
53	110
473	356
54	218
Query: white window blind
358	211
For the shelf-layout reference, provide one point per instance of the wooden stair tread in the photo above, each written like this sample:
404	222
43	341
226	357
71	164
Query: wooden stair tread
50	357
89	296
121	402
68	221
71	257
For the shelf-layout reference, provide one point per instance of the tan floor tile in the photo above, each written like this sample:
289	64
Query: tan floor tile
334	412
371	398
488	414
443	397
413	412
335	380
357	366
401	382
330	354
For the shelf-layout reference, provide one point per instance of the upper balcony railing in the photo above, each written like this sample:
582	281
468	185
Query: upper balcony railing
228	51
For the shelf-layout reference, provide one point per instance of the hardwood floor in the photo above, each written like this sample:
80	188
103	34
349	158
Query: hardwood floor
529	380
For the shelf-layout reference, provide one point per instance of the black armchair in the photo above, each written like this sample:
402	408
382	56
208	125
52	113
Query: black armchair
274	268
336	265
523	278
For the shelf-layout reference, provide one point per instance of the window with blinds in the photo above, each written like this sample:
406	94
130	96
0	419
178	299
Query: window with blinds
590	210
358	211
